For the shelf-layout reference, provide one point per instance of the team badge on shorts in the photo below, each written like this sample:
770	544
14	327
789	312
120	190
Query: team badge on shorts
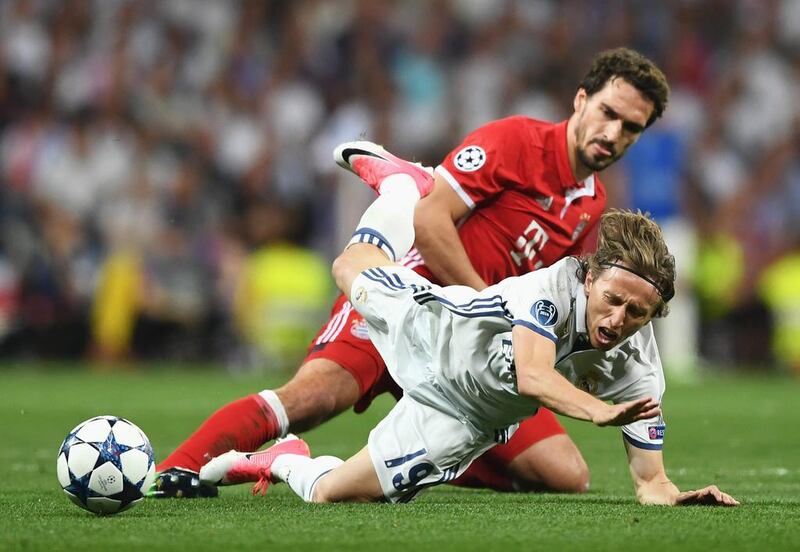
470	159
544	312
359	329
360	296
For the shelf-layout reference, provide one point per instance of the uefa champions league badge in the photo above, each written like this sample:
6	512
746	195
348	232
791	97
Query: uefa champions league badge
545	313
656	432
360	296
470	159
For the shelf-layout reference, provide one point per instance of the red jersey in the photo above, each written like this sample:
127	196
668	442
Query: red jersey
526	209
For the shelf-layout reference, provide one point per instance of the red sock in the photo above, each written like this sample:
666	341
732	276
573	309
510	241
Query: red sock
245	424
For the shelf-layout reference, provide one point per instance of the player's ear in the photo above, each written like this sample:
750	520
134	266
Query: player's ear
587	283
580	100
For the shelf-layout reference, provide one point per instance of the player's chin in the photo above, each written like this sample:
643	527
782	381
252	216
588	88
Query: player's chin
600	162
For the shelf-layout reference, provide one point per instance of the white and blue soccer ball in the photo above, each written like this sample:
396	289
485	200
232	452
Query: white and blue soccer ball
105	465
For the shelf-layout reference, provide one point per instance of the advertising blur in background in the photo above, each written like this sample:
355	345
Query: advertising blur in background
167	190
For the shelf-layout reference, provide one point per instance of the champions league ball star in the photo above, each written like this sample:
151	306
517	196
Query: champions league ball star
105	465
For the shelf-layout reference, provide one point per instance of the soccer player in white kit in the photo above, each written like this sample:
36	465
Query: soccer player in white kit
473	364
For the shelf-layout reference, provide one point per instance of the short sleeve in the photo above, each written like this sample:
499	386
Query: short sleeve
485	162
540	300
649	382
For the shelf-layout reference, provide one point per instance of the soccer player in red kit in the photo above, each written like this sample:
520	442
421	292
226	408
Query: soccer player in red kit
516	195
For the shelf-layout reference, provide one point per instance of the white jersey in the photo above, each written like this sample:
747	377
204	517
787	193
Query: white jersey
450	347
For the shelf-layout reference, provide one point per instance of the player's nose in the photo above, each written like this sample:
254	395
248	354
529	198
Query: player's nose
617	317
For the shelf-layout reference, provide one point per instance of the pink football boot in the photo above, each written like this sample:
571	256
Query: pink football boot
372	164
234	467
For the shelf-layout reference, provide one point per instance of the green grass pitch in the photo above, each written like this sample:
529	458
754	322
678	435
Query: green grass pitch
741	434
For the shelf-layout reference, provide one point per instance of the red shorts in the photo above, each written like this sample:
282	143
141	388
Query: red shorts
344	340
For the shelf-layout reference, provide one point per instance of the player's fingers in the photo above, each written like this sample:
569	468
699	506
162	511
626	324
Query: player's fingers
650	413
728	500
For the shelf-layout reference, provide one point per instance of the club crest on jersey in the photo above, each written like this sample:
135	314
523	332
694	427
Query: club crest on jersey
470	159
656	432
584	220
544	201
359	329
360	296
544	312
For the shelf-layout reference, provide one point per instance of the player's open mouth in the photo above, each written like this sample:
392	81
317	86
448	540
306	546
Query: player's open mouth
606	336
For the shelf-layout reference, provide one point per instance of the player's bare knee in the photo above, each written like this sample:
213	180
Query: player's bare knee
575	478
565	471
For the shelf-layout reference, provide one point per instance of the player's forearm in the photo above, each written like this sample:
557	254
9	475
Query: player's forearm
554	391
439	244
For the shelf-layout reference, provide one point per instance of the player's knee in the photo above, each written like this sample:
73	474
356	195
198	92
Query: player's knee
345	268
567	474
573	479
340	270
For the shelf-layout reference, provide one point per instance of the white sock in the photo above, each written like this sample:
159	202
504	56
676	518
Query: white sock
389	222
277	407
302	473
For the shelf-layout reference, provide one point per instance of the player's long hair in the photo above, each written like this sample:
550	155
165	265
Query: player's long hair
635	69
634	240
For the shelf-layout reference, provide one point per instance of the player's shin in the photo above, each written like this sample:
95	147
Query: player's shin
244	424
302	473
389	222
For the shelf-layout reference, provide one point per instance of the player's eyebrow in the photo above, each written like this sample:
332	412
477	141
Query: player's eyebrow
630	126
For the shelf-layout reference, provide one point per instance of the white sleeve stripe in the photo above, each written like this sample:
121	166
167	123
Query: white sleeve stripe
336	324
456	186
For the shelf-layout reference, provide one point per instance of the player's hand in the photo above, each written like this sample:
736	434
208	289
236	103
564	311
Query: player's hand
627	412
708	496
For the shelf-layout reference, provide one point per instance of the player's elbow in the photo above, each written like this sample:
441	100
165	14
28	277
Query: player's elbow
530	386
427	223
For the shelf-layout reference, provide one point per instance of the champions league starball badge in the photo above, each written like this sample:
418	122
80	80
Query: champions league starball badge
544	312
470	158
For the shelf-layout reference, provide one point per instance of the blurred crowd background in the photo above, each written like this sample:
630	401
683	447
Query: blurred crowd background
167	189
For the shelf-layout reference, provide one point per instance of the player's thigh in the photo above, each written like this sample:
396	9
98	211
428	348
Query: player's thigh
416	446
353	481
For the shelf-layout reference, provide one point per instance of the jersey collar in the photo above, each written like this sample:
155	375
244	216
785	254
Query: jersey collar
580	311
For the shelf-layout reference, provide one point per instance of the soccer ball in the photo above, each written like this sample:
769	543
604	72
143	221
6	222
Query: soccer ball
105	465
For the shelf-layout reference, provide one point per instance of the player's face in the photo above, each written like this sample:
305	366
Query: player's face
618	304
609	122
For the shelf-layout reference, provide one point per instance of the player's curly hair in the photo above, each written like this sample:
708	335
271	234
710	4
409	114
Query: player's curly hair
635	69
634	240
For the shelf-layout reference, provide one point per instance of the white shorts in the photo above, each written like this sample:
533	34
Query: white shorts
424	440
416	446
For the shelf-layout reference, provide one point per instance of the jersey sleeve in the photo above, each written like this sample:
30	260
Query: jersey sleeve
539	301
646	434
486	161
